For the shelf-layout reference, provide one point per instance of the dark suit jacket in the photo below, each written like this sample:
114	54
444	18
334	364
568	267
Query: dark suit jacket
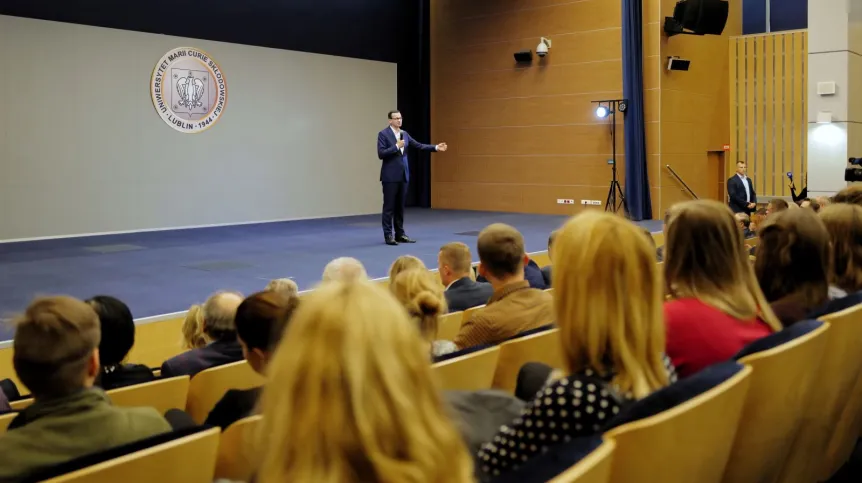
196	360
235	405
546	274
532	274
125	375
465	294
736	194
395	168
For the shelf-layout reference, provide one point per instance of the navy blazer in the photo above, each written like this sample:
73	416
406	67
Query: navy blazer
395	168
736	193
532	274
465	294
190	363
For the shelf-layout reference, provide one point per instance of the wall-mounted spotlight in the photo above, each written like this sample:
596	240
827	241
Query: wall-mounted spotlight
602	112
543	47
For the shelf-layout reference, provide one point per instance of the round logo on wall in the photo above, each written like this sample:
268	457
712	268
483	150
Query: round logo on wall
189	90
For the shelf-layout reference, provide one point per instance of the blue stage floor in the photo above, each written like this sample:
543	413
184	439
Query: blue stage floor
166	271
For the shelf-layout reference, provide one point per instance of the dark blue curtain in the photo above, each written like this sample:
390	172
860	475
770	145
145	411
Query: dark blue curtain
414	98
637	180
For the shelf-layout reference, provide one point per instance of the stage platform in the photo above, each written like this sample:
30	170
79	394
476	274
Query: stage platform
166	271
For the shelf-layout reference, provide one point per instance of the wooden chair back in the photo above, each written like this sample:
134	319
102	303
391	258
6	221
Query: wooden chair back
470	372
449	325
162	394
595	468
469	313
209	386
21	404
688	443
837	375
6	420
541	258
186	460
769	425
543	347
235	462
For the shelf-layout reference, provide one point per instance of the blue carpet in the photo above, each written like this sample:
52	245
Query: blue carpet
166	271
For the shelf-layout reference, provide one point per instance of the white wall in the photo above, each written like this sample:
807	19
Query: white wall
82	149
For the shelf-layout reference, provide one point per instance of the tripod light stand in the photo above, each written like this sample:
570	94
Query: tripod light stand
616	198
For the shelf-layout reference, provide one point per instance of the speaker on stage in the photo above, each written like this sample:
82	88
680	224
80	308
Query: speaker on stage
698	17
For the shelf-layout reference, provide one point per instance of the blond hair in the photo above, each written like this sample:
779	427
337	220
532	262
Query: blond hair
284	286
608	302
350	397
422	295
844	223
457	256
193	328
54	339
344	269
706	259
405	262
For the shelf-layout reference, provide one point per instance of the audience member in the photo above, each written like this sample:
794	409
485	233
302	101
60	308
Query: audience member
515	306
422	296
844	223
547	270
809	203
56	355
284	286
756	220
792	264
344	269
851	195
218	325
823	201
403	263
351	398
454	264
193	329
718	307
776	205
743	222
260	322
612	334
118	336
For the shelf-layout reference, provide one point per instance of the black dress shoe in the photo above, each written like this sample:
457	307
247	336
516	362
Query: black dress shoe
405	239
391	241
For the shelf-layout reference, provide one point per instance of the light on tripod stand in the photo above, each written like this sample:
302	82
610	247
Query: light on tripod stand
609	108
602	112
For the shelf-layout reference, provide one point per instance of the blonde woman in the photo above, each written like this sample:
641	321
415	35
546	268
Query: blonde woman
404	262
608	308
844	223
422	295
350	397
717	307
193	329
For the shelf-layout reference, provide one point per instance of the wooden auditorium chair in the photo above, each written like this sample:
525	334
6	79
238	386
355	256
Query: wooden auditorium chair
449	325
682	433
582	460
163	394
234	461
784	367
209	386
470	372
543	346
6	420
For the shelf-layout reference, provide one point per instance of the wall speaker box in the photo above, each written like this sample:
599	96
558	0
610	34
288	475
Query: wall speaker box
704	17
678	64
524	56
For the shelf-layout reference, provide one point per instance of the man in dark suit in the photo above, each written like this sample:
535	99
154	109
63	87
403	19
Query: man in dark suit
219	312
454	263
392	145
740	191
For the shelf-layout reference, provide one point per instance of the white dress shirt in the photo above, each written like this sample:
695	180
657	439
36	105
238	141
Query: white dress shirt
747	184
397	133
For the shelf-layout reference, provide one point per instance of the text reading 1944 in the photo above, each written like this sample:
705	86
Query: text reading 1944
188	89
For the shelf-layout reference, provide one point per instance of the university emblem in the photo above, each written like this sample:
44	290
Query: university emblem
189	90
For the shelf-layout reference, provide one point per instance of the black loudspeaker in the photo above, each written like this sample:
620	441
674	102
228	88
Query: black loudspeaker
698	17
524	56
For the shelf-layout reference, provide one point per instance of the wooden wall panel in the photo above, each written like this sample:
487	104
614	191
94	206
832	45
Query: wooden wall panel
768	108
522	136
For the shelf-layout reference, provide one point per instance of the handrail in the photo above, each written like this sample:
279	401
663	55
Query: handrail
692	193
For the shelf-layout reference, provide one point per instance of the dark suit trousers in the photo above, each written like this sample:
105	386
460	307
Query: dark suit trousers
394	197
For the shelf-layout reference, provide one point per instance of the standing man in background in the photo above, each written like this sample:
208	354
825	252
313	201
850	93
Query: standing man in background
740	191
392	145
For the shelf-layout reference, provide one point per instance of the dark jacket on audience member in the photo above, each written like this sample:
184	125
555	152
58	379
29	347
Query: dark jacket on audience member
546	274
214	354
790	310
532	274
233	406
479	414
837	305
513	309
465	293
124	375
57	430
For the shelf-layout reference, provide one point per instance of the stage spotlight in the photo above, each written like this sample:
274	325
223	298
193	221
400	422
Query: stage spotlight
602	112
623	106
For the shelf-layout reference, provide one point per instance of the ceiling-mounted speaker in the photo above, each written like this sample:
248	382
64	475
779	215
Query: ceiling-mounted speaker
698	17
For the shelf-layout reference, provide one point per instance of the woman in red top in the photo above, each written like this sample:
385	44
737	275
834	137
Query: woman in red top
717	306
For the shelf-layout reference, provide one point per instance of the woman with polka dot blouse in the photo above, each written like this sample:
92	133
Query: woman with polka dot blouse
608	304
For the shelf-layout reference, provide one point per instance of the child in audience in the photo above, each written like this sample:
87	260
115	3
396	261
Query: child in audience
260	321
56	355
422	295
792	264
405	262
718	306
118	337
844	224
193	329
608	308
350	397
